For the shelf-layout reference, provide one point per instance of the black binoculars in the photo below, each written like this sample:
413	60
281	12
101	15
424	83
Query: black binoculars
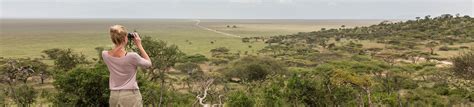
130	36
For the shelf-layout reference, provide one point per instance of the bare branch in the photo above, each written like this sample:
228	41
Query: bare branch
203	97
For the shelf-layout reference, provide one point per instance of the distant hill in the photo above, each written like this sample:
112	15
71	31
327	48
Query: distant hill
428	38
445	29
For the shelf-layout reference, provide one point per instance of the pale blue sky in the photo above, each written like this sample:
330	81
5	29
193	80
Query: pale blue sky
234	9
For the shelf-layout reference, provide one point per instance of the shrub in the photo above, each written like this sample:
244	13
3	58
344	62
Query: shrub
150	94
446	48
272	93
254	68
463	47
83	86
197	58
463	65
65	59
239	99
218	61
24	95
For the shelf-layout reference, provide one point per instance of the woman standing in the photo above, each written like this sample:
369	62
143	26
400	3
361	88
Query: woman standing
122	66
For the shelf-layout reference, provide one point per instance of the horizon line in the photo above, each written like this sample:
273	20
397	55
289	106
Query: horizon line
233	18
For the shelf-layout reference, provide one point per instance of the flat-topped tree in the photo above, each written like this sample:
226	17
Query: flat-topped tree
65	59
163	57
432	45
13	70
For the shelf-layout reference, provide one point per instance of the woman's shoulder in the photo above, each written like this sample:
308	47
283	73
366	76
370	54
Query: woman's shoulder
104	52
133	54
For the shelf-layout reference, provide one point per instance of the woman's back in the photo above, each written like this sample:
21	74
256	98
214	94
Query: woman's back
123	70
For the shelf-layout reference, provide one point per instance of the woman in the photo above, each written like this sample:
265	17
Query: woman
122	66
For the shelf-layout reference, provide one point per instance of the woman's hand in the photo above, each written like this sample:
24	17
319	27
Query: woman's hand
138	43
137	39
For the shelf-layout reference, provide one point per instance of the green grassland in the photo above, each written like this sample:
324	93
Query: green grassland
28	37
349	61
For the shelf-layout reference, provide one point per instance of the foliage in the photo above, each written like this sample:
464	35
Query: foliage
271	92
218	61
65	59
197	58
446	48
463	65
21	69
162	56
223	52
192	69
83	86
331	67
24	95
239	99
151	93
420	97
14	70
253	68
303	90
219	51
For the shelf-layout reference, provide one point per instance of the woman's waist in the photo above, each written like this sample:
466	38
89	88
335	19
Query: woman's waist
123	90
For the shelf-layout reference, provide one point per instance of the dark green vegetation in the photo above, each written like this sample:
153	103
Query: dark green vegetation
389	64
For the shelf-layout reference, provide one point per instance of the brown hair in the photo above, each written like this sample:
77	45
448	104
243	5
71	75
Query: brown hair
118	34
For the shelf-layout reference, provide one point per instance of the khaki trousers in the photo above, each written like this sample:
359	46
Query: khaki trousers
125	98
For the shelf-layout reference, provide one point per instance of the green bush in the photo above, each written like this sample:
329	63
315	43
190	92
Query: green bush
423	97
239	99
463	65
65	59
83	86
24	95
254	68
197	58
270	93
446	48
303	90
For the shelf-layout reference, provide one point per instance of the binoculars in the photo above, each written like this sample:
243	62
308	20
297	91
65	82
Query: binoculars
130	36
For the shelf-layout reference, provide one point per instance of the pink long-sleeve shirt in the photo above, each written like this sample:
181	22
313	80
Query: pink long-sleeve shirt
123	70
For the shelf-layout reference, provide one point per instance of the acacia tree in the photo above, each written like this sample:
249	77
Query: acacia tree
163	57
359	81
219	51
20	69
415	56
432	45
253	68
192	69
389	57
65	59
399	78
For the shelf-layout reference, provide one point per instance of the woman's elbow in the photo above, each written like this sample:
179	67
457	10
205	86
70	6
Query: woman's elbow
148	64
